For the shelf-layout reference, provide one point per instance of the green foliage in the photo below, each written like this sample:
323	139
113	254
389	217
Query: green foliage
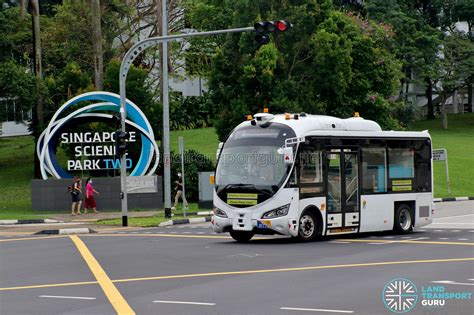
15	36
138	91
330	62
190	112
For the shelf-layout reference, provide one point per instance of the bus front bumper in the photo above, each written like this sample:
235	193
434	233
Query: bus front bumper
285	225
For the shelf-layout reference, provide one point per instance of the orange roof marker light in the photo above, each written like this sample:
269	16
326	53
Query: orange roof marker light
249	117
287	116
265	110
356	114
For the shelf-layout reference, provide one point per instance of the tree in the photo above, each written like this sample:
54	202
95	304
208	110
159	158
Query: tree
416	40
457	65
97	43
461	11
331	62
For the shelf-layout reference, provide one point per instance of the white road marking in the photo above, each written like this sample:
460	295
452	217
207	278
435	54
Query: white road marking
377	243
200	232
68	297
193	227
388	237
452	282
455	230
438	230
183	302
463	239
443	238
406	240
173	232
315	310
454	216
147	232
187	232
470	279
453	223
339	242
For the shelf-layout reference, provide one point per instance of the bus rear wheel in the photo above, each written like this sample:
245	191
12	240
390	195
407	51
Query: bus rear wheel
241	236
308	227
403	219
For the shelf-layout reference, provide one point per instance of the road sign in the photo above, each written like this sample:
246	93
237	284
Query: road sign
439	154
442	155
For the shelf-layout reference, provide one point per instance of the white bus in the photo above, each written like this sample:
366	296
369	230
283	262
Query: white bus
307	175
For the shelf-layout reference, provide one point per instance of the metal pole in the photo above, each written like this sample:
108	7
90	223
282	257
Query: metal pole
166	112
447	172
181	152
127	62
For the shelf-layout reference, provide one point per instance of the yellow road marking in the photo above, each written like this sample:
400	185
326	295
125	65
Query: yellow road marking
116	299
38	286
166	235
244	272
257	271
31	238
406	242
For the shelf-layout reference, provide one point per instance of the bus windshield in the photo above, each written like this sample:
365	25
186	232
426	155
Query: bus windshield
250	161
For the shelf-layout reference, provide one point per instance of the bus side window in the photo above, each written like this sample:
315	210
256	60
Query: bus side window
374	172
311	172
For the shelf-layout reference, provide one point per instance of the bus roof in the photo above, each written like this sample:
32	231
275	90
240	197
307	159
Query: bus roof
320	125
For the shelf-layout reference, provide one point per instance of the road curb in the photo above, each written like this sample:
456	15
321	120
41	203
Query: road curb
452	199
185	221
29	221
66	231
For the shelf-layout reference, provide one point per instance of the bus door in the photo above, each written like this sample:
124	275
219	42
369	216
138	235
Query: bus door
342	200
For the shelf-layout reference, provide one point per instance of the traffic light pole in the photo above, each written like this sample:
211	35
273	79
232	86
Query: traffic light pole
127	62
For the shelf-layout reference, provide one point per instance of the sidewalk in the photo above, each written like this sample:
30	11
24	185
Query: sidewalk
79	221
91	217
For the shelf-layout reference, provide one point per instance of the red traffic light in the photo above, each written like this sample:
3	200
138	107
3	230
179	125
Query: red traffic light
282	26
262	29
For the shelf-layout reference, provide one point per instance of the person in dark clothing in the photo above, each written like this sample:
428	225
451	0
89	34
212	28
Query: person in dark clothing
179	192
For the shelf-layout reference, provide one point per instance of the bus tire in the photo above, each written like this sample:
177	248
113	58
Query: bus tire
308	227
241	236
403	223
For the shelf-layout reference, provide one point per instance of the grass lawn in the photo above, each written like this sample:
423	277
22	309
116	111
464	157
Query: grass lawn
203	140
459	143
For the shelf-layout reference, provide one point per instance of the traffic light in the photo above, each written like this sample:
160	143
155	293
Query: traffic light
262	29
120	142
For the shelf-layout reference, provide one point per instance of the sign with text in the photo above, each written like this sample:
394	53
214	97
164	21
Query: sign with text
439	154
142	184
95	150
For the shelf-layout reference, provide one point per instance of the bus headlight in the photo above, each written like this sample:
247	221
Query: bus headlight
278	212
220	213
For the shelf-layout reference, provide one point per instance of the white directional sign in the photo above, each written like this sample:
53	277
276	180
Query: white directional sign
439	154
442	155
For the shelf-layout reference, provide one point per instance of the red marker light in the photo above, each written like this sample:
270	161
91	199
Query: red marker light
281	26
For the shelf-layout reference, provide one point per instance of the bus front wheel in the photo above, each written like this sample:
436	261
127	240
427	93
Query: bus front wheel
241	236
403	219
308	228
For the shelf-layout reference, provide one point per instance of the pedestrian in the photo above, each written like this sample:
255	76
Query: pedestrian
90	200
179	192
76	191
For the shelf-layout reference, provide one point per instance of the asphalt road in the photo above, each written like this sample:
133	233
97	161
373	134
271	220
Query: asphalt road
191	270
